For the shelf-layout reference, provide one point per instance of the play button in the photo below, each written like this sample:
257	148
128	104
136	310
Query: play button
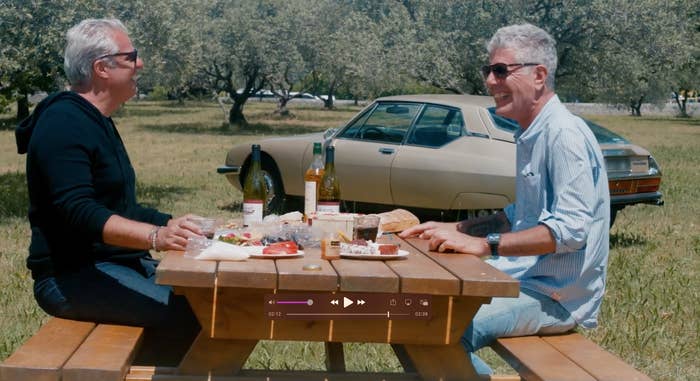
346	302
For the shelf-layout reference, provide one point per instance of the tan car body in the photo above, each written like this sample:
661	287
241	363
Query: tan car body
472	172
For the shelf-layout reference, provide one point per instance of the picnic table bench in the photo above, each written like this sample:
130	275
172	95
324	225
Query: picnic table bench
69	350
565	357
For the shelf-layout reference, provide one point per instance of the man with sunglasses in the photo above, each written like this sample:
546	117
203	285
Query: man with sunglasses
554	238
89	252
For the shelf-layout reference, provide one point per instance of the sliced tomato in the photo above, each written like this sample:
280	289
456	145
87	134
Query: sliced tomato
284	247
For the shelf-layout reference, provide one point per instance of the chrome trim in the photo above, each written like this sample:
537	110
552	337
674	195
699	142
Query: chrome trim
229	169
653	198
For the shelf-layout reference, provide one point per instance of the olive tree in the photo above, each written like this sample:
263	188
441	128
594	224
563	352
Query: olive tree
235	50
32	36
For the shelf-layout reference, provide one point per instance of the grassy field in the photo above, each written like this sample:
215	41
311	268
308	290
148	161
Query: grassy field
650	316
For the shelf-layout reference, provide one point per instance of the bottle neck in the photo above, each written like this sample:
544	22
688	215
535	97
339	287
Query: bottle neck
255	158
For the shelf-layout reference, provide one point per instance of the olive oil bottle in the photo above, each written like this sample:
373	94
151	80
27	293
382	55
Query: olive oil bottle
254	190
329	193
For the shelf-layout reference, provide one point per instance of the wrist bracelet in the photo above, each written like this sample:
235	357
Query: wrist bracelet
153	237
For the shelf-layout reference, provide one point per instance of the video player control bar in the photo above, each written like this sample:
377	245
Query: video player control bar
350	306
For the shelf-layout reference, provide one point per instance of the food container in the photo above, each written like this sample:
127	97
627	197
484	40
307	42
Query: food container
338	226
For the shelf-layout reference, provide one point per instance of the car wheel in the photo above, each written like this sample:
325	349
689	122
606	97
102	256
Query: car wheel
273	183
613	215
275	190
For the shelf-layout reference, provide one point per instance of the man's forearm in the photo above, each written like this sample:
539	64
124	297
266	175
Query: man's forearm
480	227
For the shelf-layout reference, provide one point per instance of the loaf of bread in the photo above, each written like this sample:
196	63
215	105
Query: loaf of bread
396	220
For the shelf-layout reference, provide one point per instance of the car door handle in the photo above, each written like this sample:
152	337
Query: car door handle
386	151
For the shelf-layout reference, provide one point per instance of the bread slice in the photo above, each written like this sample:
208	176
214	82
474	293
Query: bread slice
396	220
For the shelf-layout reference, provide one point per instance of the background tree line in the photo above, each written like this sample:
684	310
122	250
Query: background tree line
614	51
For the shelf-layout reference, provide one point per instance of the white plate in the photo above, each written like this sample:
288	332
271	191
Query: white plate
256	252
401	254
277	256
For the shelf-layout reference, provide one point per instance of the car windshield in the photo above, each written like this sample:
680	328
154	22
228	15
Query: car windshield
605	136
602	134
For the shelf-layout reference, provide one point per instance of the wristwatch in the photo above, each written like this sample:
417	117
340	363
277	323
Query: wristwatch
493	239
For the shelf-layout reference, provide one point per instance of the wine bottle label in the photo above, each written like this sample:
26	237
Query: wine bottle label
309	197
252	212
328	207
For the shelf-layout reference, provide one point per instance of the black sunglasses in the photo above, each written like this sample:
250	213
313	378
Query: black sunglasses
500	70
130	56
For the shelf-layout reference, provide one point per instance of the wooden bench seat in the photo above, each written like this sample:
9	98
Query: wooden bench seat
68	350
563	357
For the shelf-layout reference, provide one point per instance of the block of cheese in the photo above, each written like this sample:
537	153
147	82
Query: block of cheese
397	220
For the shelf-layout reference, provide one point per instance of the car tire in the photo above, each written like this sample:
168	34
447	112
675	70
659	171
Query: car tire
275	188
273	182
613	215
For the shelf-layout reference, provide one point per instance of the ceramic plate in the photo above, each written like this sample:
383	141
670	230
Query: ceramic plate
401	254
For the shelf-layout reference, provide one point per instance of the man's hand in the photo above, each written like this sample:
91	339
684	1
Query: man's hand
419	229
444	237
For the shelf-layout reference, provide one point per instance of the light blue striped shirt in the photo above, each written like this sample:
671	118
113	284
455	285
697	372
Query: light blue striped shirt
561	182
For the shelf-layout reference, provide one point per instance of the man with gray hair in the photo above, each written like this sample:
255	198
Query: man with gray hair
554	238
89	252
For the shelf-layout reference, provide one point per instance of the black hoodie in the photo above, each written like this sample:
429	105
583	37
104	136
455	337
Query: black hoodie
78	175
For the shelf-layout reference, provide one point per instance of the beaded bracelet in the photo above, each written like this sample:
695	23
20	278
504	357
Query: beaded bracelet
153	237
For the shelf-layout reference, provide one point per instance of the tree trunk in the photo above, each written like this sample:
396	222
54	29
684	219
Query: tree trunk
22	107
636	106
235	116
681	107
282	110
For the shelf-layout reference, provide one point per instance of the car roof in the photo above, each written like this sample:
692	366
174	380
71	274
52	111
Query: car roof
455	100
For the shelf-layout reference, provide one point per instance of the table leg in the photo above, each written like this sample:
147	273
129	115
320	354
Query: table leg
442	362
335	357
218	356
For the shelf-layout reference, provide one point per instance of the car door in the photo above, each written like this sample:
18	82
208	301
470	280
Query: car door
366	148
444	162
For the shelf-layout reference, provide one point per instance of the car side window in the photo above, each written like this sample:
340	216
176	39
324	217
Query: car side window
437	126
387	122
502	122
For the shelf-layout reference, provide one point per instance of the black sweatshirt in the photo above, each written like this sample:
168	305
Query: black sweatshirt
78	176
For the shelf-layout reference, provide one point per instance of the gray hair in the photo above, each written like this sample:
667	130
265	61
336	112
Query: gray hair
86	42
531	44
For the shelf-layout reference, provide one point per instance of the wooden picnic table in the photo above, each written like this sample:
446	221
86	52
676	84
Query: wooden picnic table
228	299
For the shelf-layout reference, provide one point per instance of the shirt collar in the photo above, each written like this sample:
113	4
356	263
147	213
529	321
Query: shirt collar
536	126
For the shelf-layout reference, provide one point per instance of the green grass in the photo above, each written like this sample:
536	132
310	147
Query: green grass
650	315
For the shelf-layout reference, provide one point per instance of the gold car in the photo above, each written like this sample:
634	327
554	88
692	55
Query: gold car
441	156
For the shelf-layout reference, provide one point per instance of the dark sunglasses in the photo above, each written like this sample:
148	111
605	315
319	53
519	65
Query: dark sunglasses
130	56
500	70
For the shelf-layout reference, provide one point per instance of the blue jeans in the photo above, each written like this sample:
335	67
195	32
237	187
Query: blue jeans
529	314
125	294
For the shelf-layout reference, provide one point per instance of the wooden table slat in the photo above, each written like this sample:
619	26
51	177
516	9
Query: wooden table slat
357	275
293	276
419	274
251	273
478	278
175	269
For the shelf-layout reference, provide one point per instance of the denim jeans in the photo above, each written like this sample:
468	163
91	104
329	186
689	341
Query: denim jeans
528	314
125	294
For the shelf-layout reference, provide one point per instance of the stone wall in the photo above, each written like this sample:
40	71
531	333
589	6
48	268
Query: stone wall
666	109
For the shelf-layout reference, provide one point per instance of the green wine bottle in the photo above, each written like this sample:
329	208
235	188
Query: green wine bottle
329	193
254	190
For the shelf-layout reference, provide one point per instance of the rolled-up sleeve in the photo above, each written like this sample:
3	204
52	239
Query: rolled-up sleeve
573	191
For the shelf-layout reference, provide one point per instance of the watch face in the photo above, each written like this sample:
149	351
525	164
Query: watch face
493	238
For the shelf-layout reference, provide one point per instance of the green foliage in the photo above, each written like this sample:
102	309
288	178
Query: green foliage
159	93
